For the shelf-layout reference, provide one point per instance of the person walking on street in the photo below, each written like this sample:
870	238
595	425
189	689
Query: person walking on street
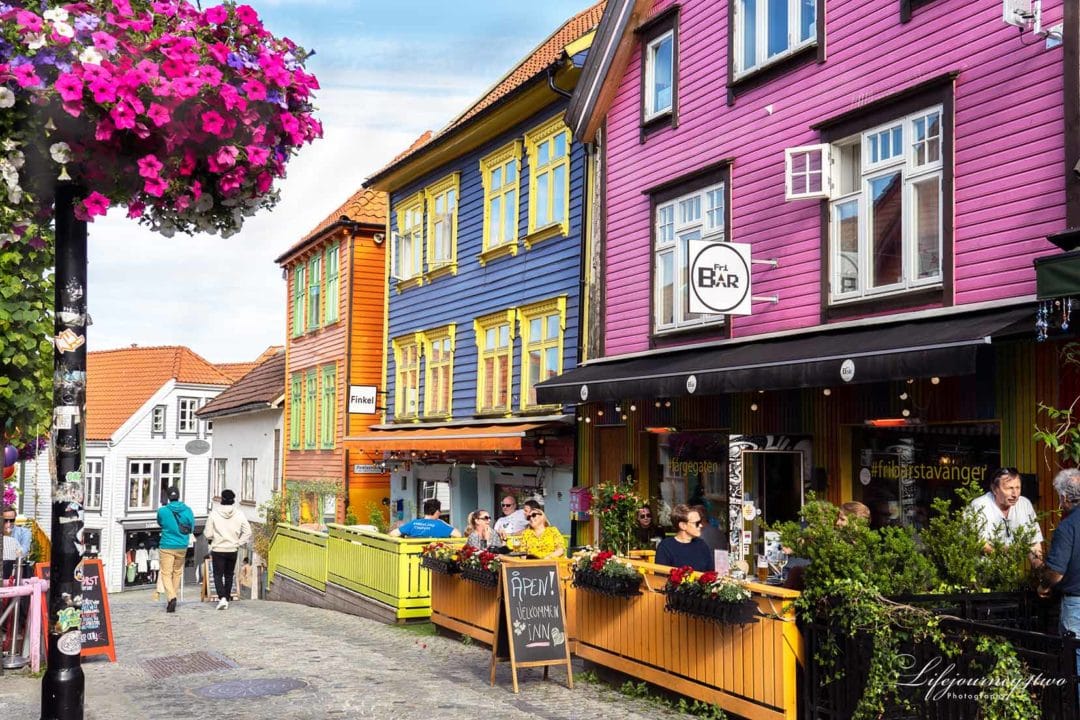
227	529
177	521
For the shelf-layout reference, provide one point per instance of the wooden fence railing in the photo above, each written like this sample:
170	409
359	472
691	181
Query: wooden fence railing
298	554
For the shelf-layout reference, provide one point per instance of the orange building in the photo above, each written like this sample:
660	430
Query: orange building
334	353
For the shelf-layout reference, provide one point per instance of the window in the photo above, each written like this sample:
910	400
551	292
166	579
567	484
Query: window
408	256
886	204
333	285
542	326
769	30
140	483
296	393
439	371
407	376
548	148
442	206
208	428
314	272
679	217
500	173
94	468
170	474
185	416
218	480
495	350
328	408
247	486
157	421
298	297
311	405
659	75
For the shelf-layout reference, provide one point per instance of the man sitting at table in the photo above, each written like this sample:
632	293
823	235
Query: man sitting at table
429	526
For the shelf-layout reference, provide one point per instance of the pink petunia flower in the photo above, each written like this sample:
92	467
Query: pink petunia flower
26	76
69	86
104	90
187	165
220	52
136	209
28	21
264	182
150	166
158	114
212	123
257	155
216	15
104	130
122	116
255	90
123	7
231	98
96	204
247	15
210	75
155	187
186	87
223	159
73	108
103	41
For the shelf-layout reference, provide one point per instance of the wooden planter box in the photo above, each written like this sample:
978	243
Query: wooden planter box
597	582
480	577
443	567
702	606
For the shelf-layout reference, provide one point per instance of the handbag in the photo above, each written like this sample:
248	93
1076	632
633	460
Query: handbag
183	527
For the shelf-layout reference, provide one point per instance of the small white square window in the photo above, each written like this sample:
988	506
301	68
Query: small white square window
807	172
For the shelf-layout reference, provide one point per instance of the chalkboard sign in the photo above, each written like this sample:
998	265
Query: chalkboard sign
95	623
531	631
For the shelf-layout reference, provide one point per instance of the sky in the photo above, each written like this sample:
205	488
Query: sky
388	72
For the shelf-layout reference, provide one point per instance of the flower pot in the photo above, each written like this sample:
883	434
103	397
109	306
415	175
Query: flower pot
598	582
443	567
742	612
480	577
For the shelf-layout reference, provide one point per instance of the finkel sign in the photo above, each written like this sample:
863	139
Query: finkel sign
362	399
719	278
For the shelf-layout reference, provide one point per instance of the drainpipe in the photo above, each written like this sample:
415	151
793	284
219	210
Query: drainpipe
551	81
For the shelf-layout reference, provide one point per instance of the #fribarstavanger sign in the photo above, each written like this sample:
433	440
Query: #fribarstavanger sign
719	278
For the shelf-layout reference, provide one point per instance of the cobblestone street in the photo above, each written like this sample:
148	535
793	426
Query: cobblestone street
274	660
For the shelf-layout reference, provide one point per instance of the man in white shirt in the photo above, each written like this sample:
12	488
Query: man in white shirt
1004	511
513	521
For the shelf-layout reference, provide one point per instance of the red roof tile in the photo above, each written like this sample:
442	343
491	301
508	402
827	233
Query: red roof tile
235	371
534	63
364	206
118	382
256	390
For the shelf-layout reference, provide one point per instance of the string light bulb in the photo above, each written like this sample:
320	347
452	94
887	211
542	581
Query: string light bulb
753	407
633	408
826	392
903	396
935	380
905	412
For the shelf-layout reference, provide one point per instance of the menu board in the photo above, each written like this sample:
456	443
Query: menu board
531	630
95	623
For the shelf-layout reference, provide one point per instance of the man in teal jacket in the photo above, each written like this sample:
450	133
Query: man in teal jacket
177	522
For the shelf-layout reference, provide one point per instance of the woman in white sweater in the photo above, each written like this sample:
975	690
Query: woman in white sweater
227	530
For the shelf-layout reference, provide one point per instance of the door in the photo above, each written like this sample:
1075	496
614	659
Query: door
773	481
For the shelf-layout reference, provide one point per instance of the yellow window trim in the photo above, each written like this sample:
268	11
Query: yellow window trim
500	157
533	139
497	252
480	326
545	233
526	313
450	182
399	344
410	283
413	202
429	338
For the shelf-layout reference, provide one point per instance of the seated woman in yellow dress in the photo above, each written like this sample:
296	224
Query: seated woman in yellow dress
541	539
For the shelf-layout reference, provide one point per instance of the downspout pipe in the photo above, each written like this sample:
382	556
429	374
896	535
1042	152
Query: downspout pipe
552	69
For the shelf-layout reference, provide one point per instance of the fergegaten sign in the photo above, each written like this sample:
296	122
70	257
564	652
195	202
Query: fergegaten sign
719	278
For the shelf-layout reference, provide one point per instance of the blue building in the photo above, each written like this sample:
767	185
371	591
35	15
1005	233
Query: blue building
488	229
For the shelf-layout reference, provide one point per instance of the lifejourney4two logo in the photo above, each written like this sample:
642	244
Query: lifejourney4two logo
941	681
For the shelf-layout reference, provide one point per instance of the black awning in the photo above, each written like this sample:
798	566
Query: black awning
943	347
1058	275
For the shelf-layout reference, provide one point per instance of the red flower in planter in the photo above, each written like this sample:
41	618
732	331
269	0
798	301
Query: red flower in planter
676	576
707	578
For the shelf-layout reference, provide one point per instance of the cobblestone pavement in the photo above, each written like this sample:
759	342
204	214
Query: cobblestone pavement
323	664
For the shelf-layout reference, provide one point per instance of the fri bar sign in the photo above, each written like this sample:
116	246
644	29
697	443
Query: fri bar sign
362	399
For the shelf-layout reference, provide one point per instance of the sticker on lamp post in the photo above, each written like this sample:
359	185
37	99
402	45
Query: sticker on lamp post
719	278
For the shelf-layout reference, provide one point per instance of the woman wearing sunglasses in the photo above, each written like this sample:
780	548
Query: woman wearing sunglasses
478	528
540	539
687	547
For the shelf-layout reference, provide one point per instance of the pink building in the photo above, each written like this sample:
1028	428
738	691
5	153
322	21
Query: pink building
903	162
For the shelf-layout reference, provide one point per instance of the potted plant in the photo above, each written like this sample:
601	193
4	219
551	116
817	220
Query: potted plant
708	595
480	566
603	573
441	557
616	508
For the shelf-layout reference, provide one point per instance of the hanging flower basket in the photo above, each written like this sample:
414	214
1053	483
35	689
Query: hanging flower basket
487	578
443	567
741	612
610	585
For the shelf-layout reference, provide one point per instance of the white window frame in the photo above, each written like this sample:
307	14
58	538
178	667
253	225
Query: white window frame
911	175
219	478
156	427
792	175
145	493
674	246
761	43
407	258
185	416
247	480
93	476
167	480
651	111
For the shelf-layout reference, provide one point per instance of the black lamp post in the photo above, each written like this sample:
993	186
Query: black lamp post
63	686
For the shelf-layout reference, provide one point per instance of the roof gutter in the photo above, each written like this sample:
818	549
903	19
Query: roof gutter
343	222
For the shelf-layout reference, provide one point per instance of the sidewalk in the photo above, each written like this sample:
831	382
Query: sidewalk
262	659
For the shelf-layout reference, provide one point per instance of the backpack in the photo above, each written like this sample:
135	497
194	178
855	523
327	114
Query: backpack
183	527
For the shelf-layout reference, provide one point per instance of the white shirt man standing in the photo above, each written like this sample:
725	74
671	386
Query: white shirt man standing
1005	511
513	521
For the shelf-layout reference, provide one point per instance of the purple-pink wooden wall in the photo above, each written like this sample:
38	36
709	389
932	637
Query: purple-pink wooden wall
1009	190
